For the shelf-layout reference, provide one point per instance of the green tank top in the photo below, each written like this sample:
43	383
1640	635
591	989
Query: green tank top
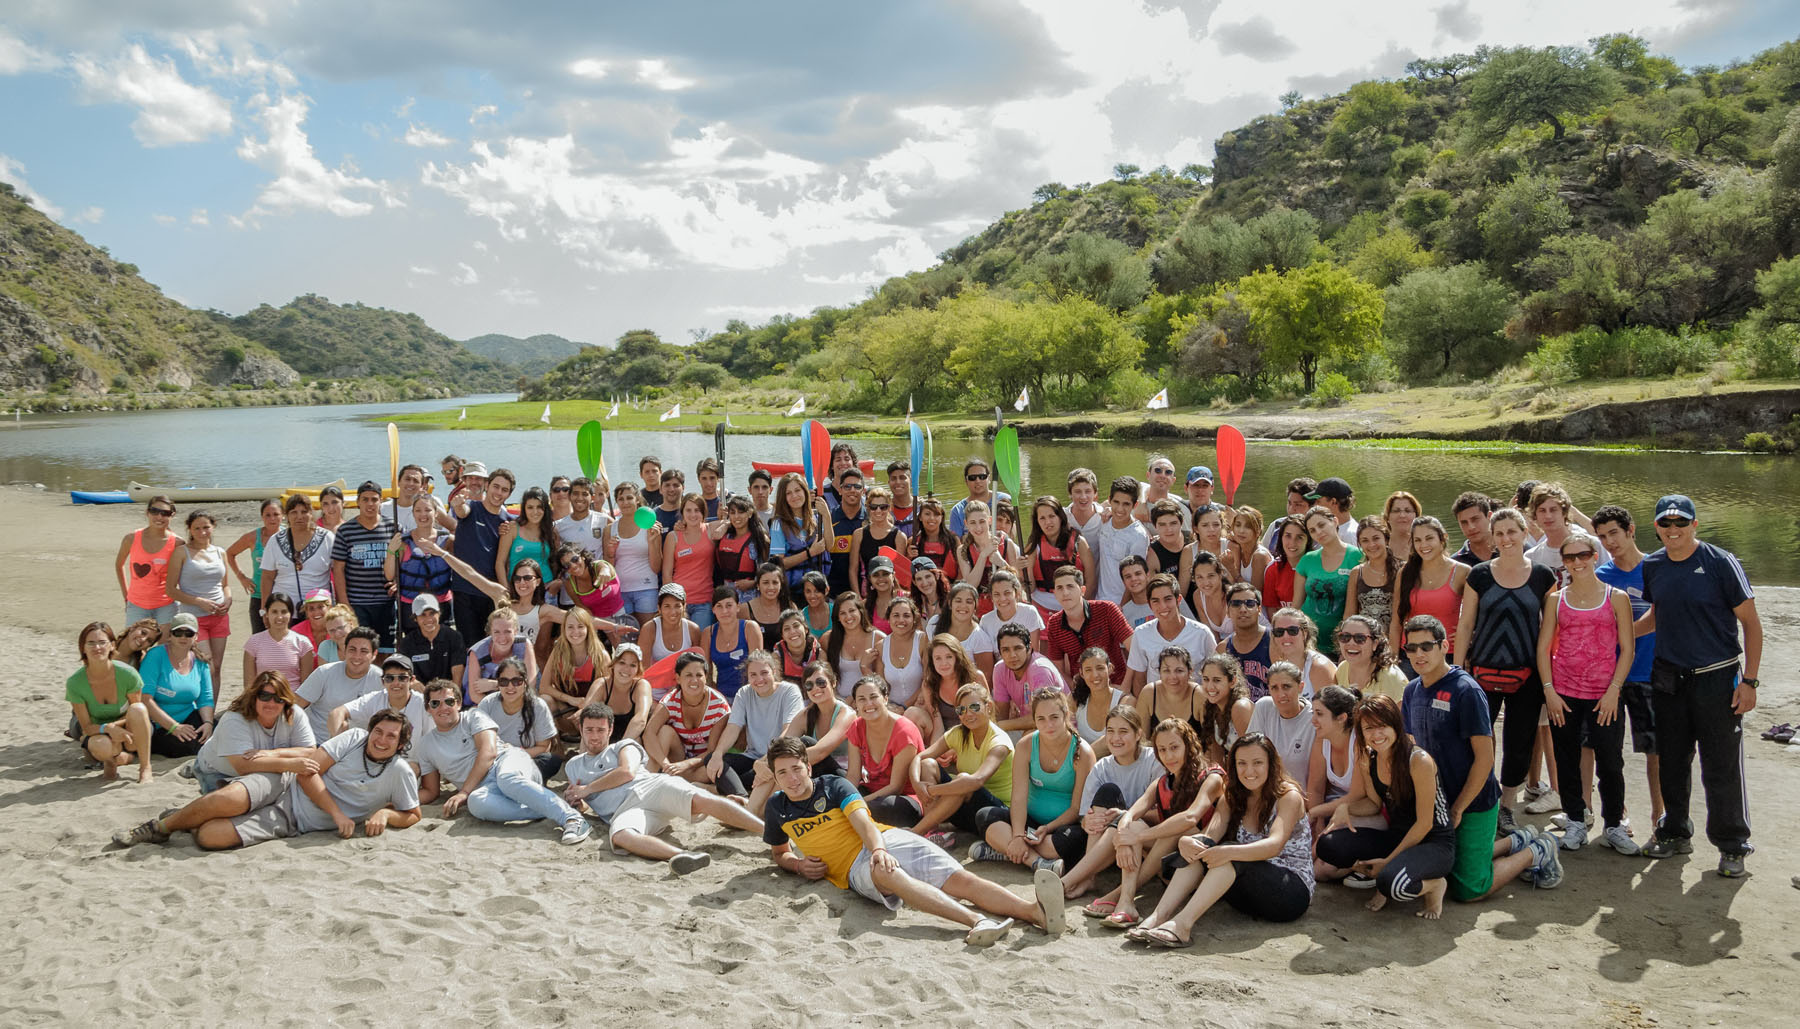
523	548
1051	792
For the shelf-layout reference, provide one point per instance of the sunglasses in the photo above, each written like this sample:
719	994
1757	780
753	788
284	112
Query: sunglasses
881	507
532	576
184	634
975	478
442	702
404	676
559	489
1244	604
1354	637
969	709
512	680
1419	648
163	512
264	696
1286	630
1580	555
851	485
1667	523
818	684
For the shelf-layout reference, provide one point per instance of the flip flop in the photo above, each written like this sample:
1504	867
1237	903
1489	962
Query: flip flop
1121	920
1166	939
1100	908
1786	735
1049	888
1775	730
987	932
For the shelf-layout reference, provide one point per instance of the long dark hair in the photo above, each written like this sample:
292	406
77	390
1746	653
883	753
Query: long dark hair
1381	655
1379	709
1237	795
941	595
1193	763
1215	720
753	526
783	597
1415	565
543	526
1392	564
1079	689
537	594
834	640
1299	522
527	712
1065	533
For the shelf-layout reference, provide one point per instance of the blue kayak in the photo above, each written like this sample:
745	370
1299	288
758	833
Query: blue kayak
116	496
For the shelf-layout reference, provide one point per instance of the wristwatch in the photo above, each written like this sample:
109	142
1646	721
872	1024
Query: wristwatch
1748	682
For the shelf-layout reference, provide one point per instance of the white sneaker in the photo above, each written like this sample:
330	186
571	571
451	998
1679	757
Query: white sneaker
575	830
1574	836
1537	789
1561	821
1618	837
1544	803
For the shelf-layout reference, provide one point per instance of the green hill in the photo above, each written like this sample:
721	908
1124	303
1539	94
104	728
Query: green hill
533	355
73	320
350	341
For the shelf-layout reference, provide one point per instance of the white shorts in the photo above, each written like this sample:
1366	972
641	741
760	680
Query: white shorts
268	820
653	804
918	857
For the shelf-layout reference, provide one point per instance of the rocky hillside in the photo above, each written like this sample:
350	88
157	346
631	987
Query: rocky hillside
353	341
74	320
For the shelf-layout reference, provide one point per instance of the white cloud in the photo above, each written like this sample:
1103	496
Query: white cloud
199	217
756	312
484	111
170	109
90	215
18	56
464	275
14	172
518	296
423	136
231	55
657	74
405	108
419	269
302	181
588	68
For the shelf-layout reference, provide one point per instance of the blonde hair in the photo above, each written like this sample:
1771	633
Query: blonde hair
505	614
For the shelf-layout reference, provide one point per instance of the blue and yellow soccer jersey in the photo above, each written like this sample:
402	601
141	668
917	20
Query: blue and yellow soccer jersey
819	825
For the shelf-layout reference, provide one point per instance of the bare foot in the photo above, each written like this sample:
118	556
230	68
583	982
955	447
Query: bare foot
146	774
1377	902
1431	902
742	801
109	772
1074	890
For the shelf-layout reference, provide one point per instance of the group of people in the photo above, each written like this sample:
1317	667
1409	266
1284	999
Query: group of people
1145	685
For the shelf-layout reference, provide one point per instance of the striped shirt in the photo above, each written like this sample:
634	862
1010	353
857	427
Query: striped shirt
693	737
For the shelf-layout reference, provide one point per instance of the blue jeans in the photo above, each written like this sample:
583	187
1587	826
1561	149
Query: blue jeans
512	792
700	614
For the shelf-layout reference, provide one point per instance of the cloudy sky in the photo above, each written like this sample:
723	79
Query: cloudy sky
586	168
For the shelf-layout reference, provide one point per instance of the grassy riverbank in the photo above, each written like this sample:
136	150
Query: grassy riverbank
1684	411
344	391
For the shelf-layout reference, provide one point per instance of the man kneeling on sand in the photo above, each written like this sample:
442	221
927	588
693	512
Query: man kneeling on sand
357	774
845	845
616	784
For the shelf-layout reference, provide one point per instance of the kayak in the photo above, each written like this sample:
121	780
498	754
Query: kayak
223	494
111	496
780	468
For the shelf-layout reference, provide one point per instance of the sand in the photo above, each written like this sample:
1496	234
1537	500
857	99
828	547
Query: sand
461	922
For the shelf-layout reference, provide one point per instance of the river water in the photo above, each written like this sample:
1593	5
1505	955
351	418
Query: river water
1749	504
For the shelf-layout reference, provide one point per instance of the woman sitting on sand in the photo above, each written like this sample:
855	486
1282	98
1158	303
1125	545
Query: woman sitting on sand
980	752
1040	827
1335	749
178	691
136	641
1368	660
1139	838
480	668
795	648
107	698
262	734
577	659
277	648
961	621
1409	859
685	730
1256	852
949	670
1094	695
625	691
522	716
882	748
824	725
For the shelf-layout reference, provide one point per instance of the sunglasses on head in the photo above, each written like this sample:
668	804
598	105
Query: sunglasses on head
442	702
1418	648
1286	630
1674	523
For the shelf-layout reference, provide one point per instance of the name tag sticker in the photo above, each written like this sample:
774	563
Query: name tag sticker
1440	704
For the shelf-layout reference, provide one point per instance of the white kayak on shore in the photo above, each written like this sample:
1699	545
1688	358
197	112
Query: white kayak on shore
222	494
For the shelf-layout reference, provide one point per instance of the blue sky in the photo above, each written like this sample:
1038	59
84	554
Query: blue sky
585	169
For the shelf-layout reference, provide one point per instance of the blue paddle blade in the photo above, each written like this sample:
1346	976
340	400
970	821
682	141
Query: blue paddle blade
916	454
807	428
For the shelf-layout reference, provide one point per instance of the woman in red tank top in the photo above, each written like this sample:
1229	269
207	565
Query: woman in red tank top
1052	544
1430	583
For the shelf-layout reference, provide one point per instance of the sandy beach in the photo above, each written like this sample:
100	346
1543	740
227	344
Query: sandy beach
467	923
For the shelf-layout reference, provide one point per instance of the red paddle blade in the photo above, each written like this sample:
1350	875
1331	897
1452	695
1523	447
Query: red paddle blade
902	569
1229	444
661	675
821	456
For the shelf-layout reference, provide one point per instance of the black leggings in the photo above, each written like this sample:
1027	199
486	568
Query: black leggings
1523	706
898	810
1267	891
548	764
1070	841
1400	879
1581	727
739	769
164	743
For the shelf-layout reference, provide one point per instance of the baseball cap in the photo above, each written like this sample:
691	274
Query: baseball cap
880	564
475	468
184	620
1675	505
400	660
368	486
1334	488
424	602
673	589
923	564
317	596
1199	472
628	648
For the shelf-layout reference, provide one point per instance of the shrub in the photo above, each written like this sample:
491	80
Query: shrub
1633	352
1332	389
1769	354
1759	442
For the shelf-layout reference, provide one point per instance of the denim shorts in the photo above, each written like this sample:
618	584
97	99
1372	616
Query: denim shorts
134	613
700	614
639	602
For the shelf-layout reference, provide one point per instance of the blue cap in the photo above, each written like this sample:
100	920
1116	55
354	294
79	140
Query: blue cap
1198	472
1675	505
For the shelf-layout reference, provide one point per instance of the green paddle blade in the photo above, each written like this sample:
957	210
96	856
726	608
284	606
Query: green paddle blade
1006	459
587	448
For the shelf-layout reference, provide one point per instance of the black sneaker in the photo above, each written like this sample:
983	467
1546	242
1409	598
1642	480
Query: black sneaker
1661	846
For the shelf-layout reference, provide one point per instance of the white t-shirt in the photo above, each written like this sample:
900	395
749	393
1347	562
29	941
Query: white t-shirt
330	687
587	533
1025	614
1110	546
359	785
1132	780
1293	737
585	768
980	641
1147	645
314	560
1094	520
1550	557
364	707
236	734
1346	532
763	718
1088	735
452	754
512	727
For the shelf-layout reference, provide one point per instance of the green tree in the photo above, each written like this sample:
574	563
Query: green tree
653	370
903	350
1103	269
1522	214
1710	121
1389	257
1310	314
1221	338
1449	68
1523	87
1126	172
1048	191
702	376
1778	287
1196	172
1381	106
1440	317
1289	100
1201	254
1282	239
1784	181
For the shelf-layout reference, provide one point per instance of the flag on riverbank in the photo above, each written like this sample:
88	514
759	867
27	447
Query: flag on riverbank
1024	400
545	417
464	416
798	408
673	412
614	413
1159	401
909	407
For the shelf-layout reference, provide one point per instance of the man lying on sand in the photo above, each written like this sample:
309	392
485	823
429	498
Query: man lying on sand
639	805
886	865
360	774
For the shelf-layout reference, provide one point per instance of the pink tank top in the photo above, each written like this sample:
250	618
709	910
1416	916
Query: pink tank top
147	574
1442	604
603	602
1586	649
